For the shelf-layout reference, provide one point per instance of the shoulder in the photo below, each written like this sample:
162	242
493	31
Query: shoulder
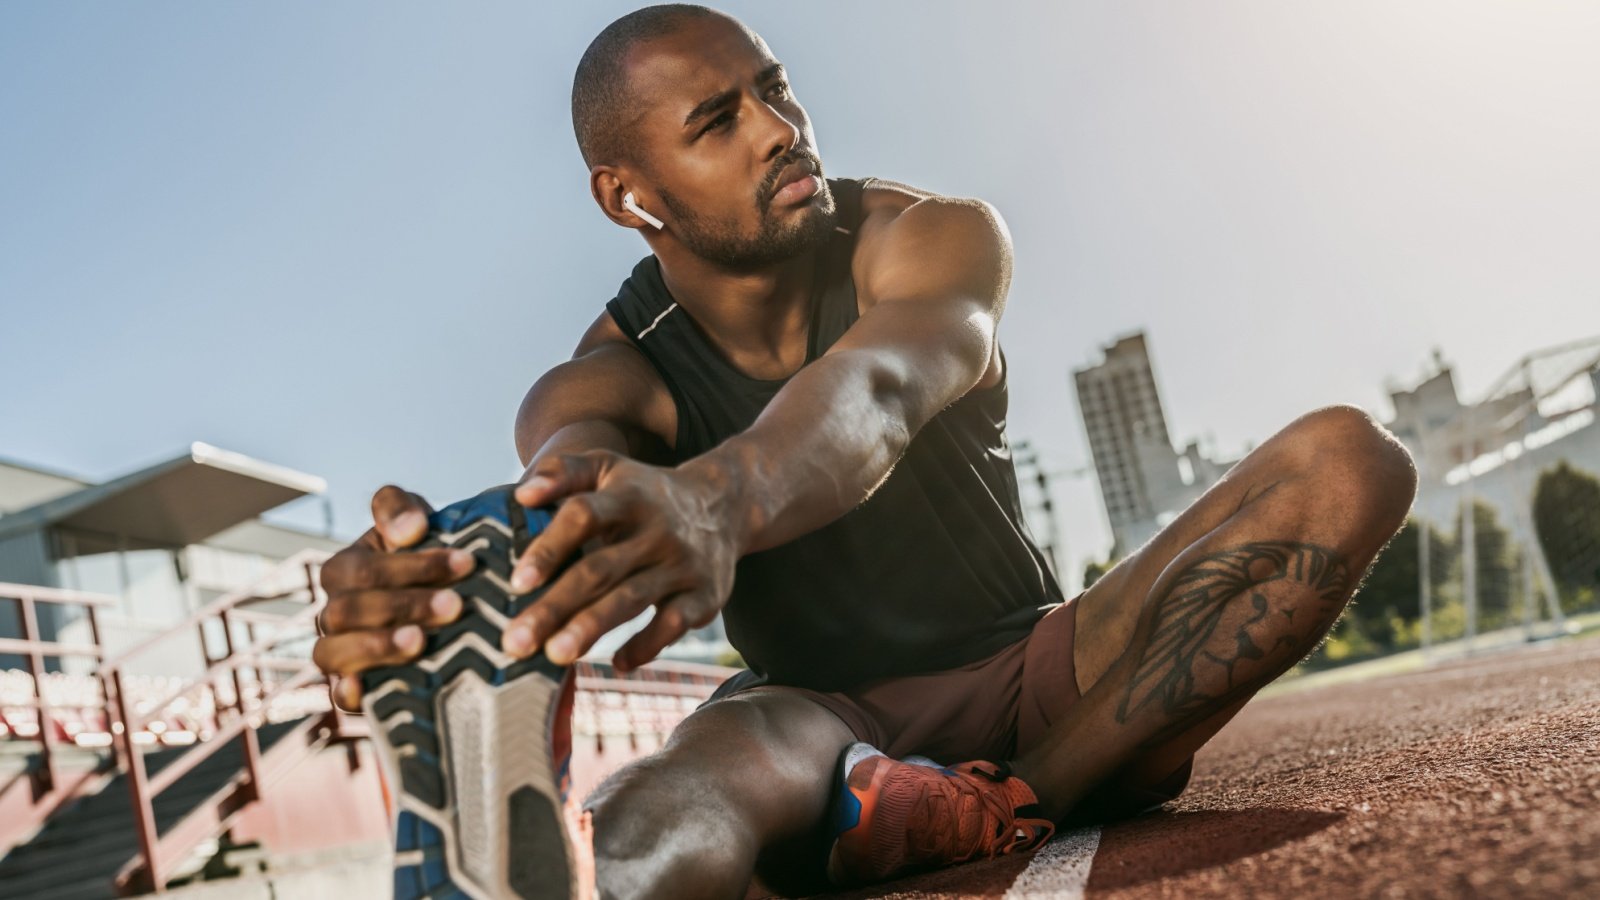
890	206
607	379
905	228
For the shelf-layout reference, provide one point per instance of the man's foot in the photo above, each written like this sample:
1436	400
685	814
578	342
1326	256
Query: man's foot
893	817
476	742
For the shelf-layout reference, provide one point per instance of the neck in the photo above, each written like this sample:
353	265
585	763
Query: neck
758	318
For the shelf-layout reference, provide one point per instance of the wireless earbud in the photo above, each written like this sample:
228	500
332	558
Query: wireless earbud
629	204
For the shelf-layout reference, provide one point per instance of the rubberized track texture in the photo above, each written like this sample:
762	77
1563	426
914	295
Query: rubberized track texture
475	741
1477	778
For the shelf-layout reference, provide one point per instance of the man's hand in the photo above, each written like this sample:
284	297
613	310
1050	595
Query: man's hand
668	538
378	600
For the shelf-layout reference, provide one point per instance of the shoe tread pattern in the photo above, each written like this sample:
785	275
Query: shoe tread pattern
402	698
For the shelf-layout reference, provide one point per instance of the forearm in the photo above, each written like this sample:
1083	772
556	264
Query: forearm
825	442
593	434
937	277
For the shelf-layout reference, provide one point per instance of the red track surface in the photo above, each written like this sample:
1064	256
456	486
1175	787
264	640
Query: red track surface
1480	778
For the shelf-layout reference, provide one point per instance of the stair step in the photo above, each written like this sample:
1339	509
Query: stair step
78	853
61	884
86	855
54	836
114	814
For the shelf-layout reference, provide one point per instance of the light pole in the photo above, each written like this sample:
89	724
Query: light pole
1053	542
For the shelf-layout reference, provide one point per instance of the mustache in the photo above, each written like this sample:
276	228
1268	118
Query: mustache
769	185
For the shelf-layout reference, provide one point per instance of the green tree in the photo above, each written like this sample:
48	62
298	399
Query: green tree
1093	571
1391	594
1566	515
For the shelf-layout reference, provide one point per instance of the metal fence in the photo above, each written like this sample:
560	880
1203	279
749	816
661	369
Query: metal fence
1508	533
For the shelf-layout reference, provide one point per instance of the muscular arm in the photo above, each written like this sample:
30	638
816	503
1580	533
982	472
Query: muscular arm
605	398
935	280
932	276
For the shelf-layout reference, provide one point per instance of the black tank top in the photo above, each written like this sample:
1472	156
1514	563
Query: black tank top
935	570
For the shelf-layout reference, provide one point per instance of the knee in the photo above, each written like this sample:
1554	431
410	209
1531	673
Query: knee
1348	434
1359	459
628	810
654	825
647	803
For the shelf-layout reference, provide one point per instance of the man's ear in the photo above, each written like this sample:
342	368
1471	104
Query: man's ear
610	186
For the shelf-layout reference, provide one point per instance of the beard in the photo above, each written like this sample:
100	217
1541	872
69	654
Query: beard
720	241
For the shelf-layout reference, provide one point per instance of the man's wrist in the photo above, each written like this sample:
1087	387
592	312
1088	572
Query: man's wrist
732	483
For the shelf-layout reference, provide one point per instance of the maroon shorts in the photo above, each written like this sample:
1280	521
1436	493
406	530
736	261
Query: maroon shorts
993	709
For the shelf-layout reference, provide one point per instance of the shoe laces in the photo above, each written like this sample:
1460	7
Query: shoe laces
967	812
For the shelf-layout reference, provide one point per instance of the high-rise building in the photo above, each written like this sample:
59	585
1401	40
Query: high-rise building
1144	482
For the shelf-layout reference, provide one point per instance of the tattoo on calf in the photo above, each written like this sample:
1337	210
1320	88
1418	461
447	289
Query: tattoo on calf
1272	595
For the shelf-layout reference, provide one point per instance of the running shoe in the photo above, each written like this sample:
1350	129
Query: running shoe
475	743
894	817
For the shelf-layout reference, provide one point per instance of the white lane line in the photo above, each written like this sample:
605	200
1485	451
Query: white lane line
1060	870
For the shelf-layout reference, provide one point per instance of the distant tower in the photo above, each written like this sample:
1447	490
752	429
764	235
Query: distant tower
1133	456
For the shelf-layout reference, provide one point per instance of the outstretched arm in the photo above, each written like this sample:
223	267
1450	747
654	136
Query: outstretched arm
936	279
933	280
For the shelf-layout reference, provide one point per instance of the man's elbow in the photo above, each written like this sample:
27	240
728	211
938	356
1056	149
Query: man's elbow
893	391
524	429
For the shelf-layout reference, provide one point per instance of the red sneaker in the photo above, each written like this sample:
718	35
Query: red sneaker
892	817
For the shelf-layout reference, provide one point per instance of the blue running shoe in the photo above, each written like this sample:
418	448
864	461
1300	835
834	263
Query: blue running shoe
476	743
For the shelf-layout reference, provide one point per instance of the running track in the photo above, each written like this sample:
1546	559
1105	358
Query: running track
1480	778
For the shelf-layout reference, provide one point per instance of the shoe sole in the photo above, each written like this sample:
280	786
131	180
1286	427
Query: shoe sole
466	732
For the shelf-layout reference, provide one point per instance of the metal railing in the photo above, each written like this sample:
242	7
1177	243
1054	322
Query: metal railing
272	676
243	678
249	671
34	649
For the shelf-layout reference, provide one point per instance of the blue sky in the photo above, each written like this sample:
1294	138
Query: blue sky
346	237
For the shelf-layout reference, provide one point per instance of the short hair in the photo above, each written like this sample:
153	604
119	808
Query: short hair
600	93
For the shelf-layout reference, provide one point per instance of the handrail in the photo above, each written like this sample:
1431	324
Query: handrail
182	766
250	616
9	590
36	648
49	648
142	788
227	601
227	663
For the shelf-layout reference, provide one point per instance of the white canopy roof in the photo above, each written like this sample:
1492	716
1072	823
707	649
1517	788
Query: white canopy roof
172	504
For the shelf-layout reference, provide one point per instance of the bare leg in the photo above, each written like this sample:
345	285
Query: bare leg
1230	596
743	774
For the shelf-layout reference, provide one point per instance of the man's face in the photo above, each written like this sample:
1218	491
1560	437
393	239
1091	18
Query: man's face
728	147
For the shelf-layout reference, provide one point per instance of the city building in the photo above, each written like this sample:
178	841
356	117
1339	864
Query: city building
1144	482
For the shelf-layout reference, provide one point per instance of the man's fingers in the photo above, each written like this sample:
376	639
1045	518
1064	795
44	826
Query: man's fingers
672	620
378	609
356	651
401	517
554	477
589	579
615	609
347	693
578	520
353	571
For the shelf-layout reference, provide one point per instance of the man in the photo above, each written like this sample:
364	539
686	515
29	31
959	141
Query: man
793	413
